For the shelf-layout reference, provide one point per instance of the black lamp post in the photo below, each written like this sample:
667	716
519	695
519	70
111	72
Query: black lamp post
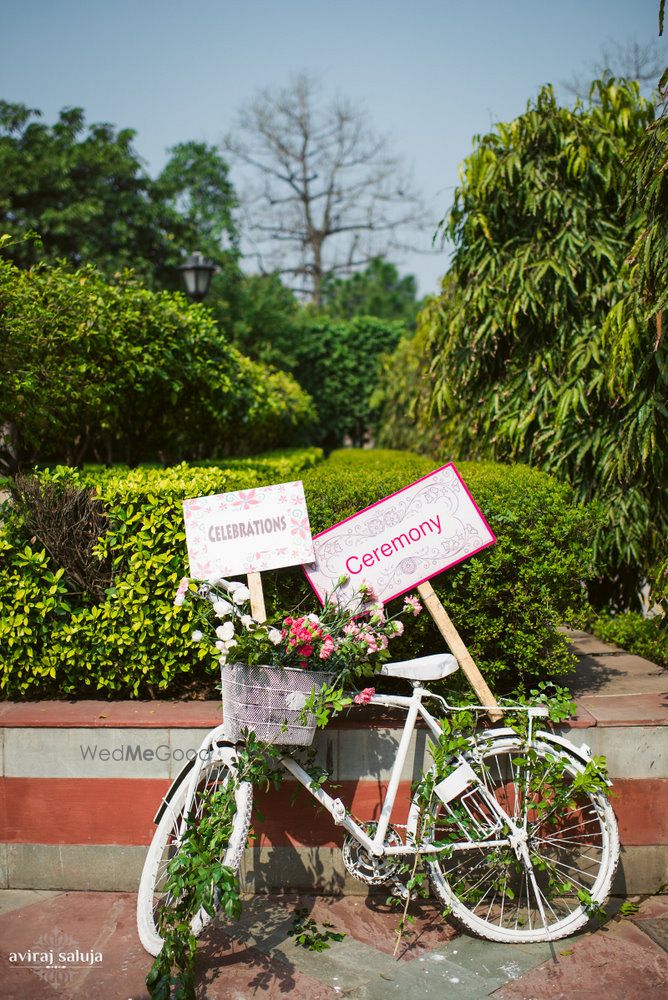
197	273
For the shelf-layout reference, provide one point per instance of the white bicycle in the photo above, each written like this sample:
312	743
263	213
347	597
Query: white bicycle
518	843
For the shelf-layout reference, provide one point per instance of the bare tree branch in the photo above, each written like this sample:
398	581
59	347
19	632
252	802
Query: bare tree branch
327	194
631	60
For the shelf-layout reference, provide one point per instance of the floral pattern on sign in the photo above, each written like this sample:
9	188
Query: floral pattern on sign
247	531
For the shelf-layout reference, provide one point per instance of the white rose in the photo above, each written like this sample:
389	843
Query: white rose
274	636
295	700
197	636
225	631
248	622
241	594
222	608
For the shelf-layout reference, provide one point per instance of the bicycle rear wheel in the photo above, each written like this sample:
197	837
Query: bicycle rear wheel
550	887
151	897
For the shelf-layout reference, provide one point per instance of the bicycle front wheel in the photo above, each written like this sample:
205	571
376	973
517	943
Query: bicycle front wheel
551	886
152	897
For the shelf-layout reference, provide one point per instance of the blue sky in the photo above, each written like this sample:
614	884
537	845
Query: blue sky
430	73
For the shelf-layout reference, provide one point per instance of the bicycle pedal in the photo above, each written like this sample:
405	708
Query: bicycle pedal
401	891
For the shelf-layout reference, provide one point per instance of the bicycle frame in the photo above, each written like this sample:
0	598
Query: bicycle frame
466	804
376	845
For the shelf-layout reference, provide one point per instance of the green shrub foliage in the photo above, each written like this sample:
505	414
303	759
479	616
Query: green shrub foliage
545	348
336	362
633	632
58	636
114	372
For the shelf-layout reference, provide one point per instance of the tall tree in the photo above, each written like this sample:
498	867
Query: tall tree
542	228
328	195
378	290
84	190
196	185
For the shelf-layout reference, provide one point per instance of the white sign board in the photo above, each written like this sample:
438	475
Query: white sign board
401	541
247	531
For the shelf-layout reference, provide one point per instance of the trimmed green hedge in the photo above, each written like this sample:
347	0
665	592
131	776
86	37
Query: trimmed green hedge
506	602
59	638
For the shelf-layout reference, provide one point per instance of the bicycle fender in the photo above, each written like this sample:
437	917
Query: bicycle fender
225	753
582	754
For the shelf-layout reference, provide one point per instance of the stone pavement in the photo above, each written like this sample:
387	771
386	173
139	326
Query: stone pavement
101	957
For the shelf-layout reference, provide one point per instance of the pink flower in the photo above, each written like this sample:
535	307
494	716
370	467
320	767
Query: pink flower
371	641
327	648
365	696
397	628
413	605
351	629
181	592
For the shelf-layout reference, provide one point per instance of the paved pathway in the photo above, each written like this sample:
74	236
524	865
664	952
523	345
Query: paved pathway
627	959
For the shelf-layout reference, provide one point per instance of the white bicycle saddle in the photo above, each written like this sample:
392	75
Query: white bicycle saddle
423	668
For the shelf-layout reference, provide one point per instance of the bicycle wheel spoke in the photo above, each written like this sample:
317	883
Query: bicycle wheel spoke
559	845
570	847
557	838
572	868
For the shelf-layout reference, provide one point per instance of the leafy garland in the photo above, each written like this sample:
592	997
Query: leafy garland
195	877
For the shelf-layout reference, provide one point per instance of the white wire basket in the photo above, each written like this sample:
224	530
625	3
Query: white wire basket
269	702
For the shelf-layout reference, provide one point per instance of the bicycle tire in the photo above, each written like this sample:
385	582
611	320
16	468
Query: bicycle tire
149	896
572	846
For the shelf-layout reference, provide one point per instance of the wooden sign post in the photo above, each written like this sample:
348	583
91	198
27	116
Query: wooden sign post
258	610
458	649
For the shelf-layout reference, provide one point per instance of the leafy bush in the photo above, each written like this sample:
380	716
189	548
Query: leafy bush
506	602
336	362
532	359
646	637
56	638
401	401
114	372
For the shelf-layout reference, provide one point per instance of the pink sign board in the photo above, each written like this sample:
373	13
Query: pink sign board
401	541
247	531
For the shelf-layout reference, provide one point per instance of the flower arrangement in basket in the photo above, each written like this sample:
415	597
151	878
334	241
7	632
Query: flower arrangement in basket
280	680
